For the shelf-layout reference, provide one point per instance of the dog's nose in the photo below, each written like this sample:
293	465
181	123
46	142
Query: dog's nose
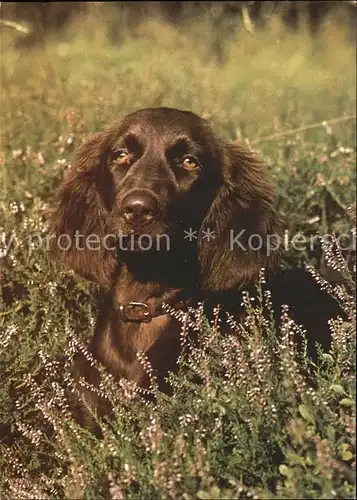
139	209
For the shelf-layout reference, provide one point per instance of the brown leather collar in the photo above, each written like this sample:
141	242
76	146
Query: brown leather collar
144	312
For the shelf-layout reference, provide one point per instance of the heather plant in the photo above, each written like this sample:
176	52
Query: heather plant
243	420
251	416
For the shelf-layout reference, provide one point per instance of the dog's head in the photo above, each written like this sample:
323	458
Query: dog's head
164	172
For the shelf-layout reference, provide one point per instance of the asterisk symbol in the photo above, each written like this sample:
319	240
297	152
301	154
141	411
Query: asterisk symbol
208	234
190	234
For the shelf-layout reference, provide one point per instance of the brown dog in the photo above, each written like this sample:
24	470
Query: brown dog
163	210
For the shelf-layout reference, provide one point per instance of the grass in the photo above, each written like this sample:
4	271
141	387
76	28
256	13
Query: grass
253	428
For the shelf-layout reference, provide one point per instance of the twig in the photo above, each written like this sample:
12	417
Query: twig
247	22
302	129
15	26
5	313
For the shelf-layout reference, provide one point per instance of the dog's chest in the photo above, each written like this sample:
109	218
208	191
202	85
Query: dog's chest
124	347
149	333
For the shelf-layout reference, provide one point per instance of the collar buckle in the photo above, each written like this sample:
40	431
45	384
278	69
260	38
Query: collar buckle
135	311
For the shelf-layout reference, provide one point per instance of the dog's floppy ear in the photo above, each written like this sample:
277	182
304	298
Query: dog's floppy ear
246	226
79	221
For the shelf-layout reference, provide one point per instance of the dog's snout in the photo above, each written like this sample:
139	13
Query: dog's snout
139	209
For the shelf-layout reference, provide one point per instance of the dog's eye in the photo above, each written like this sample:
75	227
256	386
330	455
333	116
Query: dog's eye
121	156
190	163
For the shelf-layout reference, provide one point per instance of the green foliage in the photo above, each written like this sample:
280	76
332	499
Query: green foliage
252	426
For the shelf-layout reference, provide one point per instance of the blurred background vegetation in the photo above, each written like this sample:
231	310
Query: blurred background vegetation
53	17
277	76
254	69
